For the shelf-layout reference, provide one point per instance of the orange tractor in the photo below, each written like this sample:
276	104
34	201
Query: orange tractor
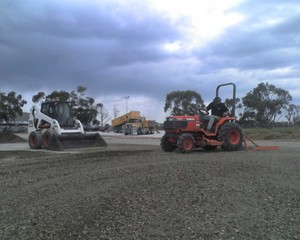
186	133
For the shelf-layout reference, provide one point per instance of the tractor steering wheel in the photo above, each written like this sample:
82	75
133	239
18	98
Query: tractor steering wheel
203	111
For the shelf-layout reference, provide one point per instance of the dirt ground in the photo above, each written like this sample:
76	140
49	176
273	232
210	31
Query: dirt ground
8	137
140	192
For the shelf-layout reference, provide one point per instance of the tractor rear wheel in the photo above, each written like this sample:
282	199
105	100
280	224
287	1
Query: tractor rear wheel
186	143
35	140
166	145
232	137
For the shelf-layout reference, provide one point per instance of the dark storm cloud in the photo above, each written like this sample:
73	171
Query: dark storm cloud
55	44
290	27
115	49
255	44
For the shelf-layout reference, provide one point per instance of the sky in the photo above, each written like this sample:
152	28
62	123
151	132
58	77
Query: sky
130	54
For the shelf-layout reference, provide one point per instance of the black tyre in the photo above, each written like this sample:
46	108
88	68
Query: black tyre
166	145
186	143
47	140
35	140
232	137
139	131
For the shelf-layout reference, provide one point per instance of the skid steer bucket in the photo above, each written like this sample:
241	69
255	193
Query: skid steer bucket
255	146
72	141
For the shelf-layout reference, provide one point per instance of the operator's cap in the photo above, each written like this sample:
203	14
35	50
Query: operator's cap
217	99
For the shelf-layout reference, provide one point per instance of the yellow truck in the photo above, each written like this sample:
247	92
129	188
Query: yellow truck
132	123
139	126
119	122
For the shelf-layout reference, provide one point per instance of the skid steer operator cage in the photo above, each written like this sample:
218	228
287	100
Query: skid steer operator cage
59	110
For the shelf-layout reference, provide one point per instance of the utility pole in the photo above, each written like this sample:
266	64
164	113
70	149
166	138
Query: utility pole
127	97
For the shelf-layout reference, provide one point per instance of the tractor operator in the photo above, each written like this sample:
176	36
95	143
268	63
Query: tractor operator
218	110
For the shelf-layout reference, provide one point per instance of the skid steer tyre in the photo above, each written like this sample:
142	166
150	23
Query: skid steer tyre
46	140
232	137
166	145
35	140
186	143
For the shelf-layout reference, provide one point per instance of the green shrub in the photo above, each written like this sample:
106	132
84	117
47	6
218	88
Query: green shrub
273	133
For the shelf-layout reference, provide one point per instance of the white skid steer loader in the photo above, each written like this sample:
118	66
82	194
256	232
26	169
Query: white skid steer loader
54	128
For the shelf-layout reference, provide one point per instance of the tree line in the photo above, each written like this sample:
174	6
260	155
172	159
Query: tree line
85	109
264	106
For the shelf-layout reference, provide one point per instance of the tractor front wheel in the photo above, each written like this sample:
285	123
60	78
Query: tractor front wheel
186	143
232	137
166	144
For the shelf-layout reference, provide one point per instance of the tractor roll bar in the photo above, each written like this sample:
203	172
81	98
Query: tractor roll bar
233	94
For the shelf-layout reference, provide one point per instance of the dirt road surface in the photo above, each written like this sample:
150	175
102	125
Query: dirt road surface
134	190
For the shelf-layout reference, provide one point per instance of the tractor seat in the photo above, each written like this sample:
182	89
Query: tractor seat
203	119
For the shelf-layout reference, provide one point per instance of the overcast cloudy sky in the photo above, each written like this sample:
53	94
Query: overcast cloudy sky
145	49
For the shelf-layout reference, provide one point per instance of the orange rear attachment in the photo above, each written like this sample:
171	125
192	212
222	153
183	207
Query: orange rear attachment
257	147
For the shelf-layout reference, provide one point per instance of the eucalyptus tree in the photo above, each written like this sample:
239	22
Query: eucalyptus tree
265	104
183	102
11	106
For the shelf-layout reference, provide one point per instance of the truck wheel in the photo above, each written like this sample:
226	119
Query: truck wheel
35	140
166	145
186	143
46	139
139	131
232	137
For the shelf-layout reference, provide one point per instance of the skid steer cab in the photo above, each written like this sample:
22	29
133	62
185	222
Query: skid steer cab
53	127
185	133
